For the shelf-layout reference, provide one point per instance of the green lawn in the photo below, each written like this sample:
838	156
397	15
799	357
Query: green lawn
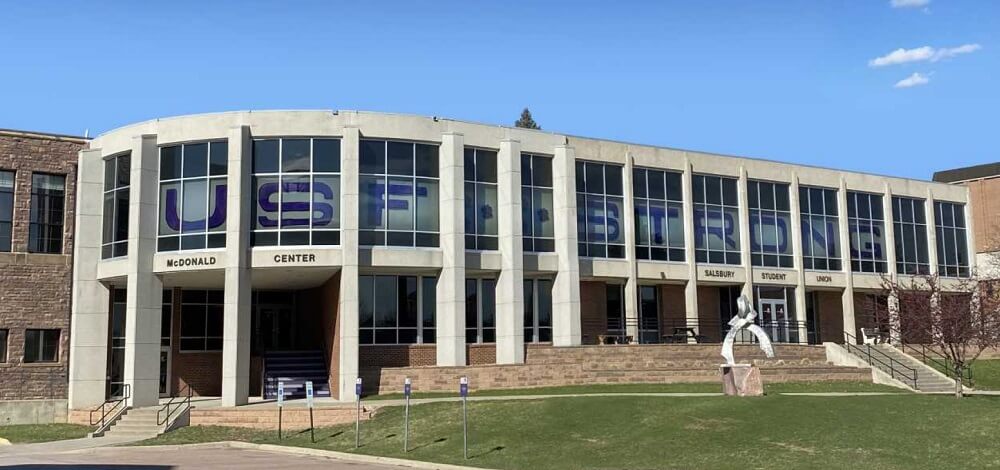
986	374
22	433
907	431
788	387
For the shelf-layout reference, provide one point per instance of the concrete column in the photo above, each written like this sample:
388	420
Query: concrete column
745	234
797	252
691	288
347	313
145	291
510	284
236	303
847	298
451	282
632	283
890	262
932	254
88	365
970	238
566	288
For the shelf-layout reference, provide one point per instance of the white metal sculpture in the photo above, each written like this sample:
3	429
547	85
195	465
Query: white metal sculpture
745	315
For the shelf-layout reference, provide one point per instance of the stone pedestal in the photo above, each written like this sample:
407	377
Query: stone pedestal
741	380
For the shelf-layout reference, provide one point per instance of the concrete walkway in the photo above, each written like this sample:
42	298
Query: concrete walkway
68	445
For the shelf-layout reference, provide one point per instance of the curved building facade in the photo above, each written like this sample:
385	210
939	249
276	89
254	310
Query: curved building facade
210	248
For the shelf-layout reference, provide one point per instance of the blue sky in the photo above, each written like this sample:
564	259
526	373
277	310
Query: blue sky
786	80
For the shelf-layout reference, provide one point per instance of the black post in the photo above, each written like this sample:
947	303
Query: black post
279	423
312	429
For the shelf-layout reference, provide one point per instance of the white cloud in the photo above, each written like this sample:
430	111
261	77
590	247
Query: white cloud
916	79
909	3
921	54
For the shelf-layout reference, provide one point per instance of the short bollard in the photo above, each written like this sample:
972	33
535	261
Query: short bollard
463	390
406	415
357	422
281	402
309	401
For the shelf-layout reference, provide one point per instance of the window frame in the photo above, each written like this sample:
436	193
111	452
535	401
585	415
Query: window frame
205	316
704	255
115	248
480	304
960	234
807	215
674	254
477	241
7	240
38	227
43	341
421	329
583	214
756	210
535	327
211	238
531	241
4	344
917	229
878	264
420	238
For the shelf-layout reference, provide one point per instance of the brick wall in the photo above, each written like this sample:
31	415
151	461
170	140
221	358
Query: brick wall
985	206
830	310
202	371
329	302
397	355
593	311
35	289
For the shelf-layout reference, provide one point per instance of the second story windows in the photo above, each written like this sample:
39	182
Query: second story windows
866	224
537	224
481	199
398	194
114	239
296	195
193	184
48	199
910	227
659	215
952	246
770	224
820	229
716	219
600	210
6	209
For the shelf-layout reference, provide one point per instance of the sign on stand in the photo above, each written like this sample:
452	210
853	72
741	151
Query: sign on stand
463	390
309	402
357	422
406	414
281	402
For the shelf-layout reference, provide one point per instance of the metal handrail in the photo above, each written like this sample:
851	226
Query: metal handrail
929	356
105	411
184	400
883	359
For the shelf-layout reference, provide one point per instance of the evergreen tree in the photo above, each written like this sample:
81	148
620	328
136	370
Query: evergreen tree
526	121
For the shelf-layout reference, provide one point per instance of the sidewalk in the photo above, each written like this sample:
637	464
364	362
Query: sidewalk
68	445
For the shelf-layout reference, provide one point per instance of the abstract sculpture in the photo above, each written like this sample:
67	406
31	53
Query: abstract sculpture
745	315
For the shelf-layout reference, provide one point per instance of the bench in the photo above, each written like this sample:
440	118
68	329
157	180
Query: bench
682	334
873	336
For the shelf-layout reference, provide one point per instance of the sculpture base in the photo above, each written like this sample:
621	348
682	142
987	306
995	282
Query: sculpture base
741	380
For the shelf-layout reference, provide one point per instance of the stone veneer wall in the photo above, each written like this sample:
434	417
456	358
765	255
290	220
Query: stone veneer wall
35	288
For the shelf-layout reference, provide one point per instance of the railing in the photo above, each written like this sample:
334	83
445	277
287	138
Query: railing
107	410
896	369
708	331
175	403
938	361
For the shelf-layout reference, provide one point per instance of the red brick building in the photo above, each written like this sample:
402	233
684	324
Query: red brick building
37	211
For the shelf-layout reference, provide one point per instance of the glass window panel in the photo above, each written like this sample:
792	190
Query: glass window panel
641	222
488	296
613	179
217	204
541	169
366	301
372	202
470	208
326	202
674	186
427	160
400	204
542	206
195	160
372	156
218	158
526	212
296	192
713	190
429	301
407	301
698	188
657	185
295	155
385	305
675	225
265	156
486	214
195	205
265	203
326	155
595	178
581	177
639	183
781	197
170	162
427	205
486	166
525	169
400	158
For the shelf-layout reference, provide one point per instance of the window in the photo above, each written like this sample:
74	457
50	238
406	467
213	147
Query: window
397	309
615	296
649	314
481	199
867	229
48	194
480	311
716	219
599	210
6	209
296	192
659	222
399	194
201	320
193	196
116	344
116	184
166	317
952	250
41	345
910	224
3	346
538	228
537	310
770	224
820	228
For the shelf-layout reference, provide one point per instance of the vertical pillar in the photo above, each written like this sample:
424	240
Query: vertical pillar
847	298
145	291
889	242
970	230
566	288
236	302
691	288
632	327
797	252
510	284
932	254
88	343
348	310
451	282
745	234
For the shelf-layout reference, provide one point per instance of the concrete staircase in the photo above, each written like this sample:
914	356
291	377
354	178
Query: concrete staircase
929	380
137	423
294	368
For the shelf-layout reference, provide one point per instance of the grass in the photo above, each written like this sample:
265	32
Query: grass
789	387
907	431
986	374
24	433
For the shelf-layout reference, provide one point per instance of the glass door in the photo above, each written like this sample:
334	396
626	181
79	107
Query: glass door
164	371
649	315
774	319
275	328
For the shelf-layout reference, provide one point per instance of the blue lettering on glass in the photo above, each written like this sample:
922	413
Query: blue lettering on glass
267	196
596	221
868	236
378	204
720	224
827	240
216	219
656	216
773	224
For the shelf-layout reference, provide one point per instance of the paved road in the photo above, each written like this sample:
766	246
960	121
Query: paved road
134	458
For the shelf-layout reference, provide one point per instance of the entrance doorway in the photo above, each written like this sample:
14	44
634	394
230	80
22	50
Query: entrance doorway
275	327
774	319
165	371
649	314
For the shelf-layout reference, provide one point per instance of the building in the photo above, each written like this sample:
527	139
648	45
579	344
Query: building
37	191
390	240
983	182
